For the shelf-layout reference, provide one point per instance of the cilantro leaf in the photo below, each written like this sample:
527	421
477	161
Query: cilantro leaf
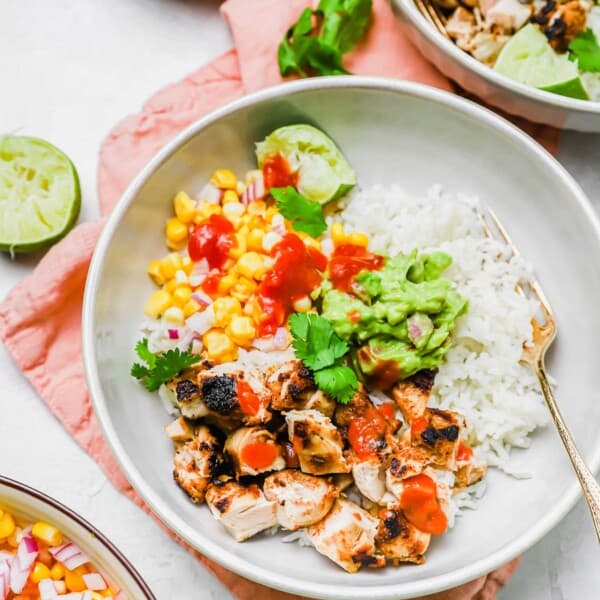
314	341
304	214
160	368
339	381
316	43
587	51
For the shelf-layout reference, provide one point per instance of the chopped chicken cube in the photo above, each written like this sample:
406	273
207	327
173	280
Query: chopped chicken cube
196	462
564	23
317	442
243	511
179	430
347	536
253	450
485	46
406	462
437	433
369	477
461	25
301	499
470	468
399	540
510	15
411	395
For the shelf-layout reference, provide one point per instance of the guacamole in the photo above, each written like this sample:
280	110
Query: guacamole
398	319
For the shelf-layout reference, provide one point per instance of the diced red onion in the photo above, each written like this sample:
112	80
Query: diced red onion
74	596
4	579
201	298
94	581
255	190
22	562
87	595
186	341
70	555
47	590
210	193
173	334
265	343
60	587
197	347
281	340
201	322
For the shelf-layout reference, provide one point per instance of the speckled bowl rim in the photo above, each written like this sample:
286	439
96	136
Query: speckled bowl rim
73	516
409	9
161	508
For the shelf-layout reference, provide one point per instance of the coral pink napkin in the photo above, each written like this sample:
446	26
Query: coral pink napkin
40	318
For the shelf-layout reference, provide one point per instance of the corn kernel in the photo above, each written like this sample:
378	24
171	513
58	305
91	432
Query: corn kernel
187	265
312	243
155	272
243	289
218	345
224	179
225	309
177	246
184	207
47	533
302	304
169	264
337	233
174	315
254	240
250	265
45	557
258	207
108	594
241	330
7	525
205	210
176	231
358	239
14	538
157	304
171	286
39	572
57	571
270	213
191	307
240	246
182	294
96	596
229	196
227	282
181	277
74	580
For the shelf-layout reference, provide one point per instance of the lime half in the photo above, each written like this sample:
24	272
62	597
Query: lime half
528	57
40	196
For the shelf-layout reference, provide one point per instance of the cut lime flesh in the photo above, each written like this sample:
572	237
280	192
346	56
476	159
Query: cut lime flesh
40	196
529	58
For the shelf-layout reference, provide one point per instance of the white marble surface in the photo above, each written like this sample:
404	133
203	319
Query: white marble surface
70	70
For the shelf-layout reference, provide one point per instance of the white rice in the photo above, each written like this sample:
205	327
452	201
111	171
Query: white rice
481	376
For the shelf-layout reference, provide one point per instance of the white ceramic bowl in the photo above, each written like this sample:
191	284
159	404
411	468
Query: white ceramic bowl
496	89
390	132
32	505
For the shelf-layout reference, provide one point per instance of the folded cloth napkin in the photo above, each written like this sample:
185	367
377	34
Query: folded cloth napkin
40	318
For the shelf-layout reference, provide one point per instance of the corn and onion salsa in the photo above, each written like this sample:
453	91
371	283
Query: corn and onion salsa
37	562
233	255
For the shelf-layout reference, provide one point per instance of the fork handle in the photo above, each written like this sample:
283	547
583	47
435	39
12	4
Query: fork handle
591	489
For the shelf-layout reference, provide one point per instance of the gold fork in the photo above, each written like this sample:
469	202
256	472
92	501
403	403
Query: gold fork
534	355
433	13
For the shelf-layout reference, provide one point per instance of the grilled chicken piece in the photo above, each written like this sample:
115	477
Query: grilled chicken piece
243	511
226	397
406	462
347	536
469	468
318	444
399	540
510	15
293	388
179	430
358	405
412	394
437	433
301	499
369	478
196	462
253	450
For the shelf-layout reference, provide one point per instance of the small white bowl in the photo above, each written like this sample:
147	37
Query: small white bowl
32	505
391	132
492	87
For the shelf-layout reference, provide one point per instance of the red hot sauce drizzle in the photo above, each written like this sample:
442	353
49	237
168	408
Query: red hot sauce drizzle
347	261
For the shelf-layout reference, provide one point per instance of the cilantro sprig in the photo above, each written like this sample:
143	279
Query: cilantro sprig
320	349
316	43
586	50
160	368
304	214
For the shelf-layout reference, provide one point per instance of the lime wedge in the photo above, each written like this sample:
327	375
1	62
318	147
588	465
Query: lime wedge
40	196
528	57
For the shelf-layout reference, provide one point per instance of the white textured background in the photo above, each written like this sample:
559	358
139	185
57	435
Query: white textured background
70	69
